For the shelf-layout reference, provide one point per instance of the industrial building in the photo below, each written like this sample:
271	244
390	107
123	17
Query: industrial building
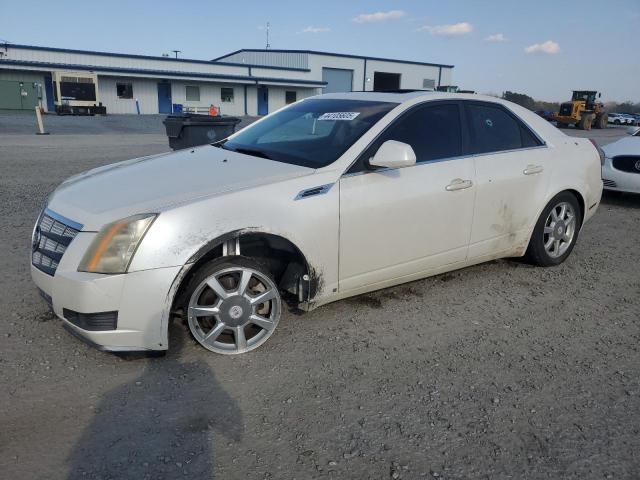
244	82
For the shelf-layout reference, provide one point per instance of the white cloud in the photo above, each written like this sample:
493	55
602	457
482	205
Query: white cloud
311	29
379	16
549	47
456	29
496	38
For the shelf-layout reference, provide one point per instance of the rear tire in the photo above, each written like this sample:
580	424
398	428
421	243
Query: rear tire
556	231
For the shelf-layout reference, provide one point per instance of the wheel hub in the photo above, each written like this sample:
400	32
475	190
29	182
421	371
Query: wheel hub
235	311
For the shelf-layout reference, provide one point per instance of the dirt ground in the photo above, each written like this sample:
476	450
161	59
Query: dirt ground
499	371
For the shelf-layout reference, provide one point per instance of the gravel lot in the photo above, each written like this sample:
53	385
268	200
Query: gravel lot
496	371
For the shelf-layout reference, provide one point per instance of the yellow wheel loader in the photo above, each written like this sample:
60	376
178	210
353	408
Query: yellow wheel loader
583	111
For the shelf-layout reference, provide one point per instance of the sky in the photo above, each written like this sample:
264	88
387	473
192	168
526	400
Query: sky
543	48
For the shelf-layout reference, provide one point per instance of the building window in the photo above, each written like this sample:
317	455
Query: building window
125	90
192	93
226	94
290	97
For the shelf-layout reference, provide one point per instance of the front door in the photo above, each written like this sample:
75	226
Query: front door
164	98
512	173
48	90
263	100
399	222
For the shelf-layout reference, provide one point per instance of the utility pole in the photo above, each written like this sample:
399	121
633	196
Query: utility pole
268	46
176	52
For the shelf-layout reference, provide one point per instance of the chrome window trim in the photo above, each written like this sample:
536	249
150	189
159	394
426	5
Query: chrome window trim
498	152
417	164
439	160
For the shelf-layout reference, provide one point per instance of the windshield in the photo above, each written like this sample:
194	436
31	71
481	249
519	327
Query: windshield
313	133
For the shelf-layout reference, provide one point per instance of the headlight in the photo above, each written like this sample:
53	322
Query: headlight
113	248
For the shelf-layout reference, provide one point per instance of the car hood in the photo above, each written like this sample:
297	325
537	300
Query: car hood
155	183
624	146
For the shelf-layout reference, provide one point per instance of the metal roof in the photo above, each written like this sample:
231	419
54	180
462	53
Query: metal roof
144	57
345	55
159	73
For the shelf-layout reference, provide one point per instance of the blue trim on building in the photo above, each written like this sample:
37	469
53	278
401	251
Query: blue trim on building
159	73
344	55
144	57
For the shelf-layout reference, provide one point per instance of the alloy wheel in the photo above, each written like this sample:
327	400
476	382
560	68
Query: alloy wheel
234	310
559	229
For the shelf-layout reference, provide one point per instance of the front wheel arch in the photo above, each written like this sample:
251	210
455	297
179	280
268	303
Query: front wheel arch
286	262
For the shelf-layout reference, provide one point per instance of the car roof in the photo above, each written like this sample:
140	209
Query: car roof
401	96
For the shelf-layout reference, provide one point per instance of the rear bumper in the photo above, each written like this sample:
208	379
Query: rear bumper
140	298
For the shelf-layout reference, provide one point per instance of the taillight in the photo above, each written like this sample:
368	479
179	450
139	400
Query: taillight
600	151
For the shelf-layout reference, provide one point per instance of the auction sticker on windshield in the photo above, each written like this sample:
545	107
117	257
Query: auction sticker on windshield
338	116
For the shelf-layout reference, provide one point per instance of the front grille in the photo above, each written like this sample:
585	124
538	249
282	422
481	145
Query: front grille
609	183
51	237
94	322
566	109
627	163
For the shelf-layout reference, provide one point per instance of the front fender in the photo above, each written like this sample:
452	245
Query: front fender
180	236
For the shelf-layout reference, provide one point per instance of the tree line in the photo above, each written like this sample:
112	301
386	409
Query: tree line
528	102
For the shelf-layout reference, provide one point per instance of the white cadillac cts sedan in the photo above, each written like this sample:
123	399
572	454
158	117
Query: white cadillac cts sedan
330	197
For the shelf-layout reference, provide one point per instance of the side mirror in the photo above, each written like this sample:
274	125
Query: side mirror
633	131
600	95
392	154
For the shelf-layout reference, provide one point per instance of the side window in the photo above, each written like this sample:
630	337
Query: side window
528	140
494	130
433	131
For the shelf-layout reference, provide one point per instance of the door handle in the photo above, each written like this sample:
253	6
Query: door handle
458	184
533	169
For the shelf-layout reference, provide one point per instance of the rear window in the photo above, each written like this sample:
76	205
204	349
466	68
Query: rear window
493	129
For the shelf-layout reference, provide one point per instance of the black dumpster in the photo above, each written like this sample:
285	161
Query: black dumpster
191	130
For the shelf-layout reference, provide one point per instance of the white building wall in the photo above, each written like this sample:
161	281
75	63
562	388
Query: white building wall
210	94
277	96
145	90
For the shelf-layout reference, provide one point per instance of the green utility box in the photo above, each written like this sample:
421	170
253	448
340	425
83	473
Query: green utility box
16	95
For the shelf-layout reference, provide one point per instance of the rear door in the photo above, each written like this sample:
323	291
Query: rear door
399	222
512	173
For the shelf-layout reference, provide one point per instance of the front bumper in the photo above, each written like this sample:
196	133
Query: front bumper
141	299
619	181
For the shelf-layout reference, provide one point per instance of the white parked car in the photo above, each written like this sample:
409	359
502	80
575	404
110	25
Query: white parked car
619	119
621	168
330	197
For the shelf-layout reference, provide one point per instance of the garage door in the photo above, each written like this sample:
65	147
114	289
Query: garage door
385	81
338	80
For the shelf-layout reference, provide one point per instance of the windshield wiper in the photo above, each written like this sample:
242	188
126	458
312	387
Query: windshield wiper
251	151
